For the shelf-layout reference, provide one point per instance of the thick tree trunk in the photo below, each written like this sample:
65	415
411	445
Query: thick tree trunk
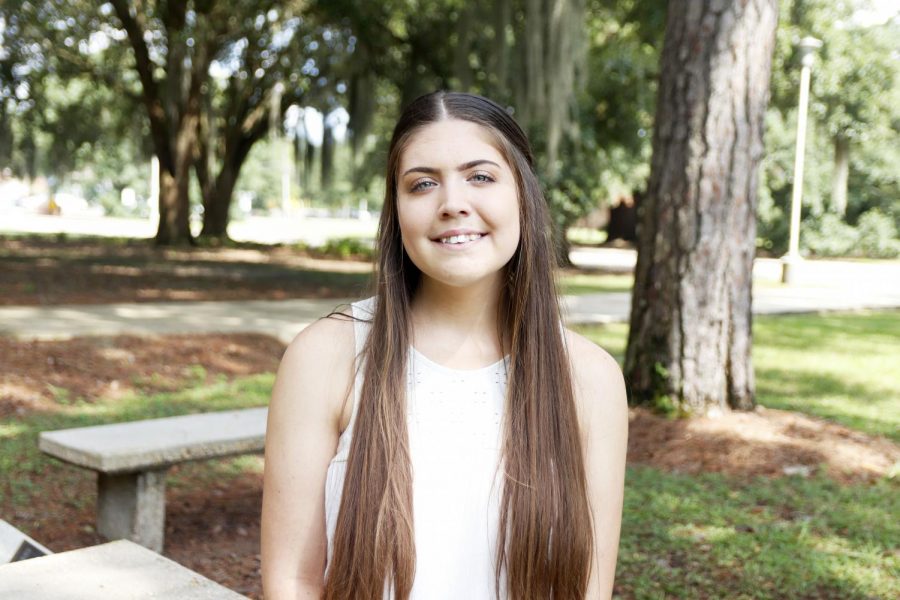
174	222
362	111
217	206
690	335
6	136
173	109
235	144
840	176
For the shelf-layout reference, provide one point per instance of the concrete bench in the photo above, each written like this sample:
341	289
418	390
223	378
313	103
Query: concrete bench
131	460
114	571
16	546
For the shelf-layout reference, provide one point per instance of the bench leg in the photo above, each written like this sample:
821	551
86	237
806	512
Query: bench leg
133	506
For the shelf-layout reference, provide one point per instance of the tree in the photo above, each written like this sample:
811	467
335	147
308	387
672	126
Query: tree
61	114
853	142
690	329
198	122
526	54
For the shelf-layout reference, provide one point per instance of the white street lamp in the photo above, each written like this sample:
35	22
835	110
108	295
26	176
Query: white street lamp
791	260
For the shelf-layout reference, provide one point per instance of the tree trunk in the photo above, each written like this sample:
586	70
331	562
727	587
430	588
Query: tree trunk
173	109
234	142
6	136
174	221
840	176
362	111
217	207
690	332
327	165
309	158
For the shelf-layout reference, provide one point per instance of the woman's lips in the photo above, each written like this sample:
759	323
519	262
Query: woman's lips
459	240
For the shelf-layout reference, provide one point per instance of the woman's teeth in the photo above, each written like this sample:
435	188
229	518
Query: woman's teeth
461	239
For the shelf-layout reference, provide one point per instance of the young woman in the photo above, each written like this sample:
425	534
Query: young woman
448	438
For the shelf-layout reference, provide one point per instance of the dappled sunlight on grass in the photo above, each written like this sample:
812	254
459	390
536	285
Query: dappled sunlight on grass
838	366
8	430
701	532
841	367
574	283
776	537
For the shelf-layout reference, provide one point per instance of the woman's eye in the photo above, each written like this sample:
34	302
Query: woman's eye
422	184
481	178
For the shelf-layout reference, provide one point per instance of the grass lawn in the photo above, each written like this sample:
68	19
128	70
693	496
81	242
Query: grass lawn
843	367
717	537
839	366
683	536
574	283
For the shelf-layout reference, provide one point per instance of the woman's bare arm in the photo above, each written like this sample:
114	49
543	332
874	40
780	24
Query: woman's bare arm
603	414
301	437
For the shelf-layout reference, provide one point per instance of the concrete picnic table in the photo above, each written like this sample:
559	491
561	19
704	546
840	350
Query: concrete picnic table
120	570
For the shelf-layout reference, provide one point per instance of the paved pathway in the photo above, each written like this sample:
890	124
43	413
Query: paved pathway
279	318
285	318
822	286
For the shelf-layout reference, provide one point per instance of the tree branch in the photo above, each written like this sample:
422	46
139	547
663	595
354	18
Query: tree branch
159	127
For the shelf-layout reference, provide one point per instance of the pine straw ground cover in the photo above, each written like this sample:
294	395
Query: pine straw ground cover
771	504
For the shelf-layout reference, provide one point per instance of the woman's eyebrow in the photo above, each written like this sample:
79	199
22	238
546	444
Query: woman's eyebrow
462	167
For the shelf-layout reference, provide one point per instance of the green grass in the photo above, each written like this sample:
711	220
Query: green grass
593	283
586	236
711	536
683	536
842	367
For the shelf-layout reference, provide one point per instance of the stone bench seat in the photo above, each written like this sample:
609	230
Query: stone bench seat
131	460
114	571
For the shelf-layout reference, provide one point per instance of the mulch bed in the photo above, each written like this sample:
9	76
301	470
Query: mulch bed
36	375
44	272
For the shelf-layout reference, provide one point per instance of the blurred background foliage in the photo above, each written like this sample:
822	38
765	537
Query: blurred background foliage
74	112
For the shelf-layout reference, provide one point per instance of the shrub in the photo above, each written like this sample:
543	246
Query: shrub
875	236
878	235
828	235
348	248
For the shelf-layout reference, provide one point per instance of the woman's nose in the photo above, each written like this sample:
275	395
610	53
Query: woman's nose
454	200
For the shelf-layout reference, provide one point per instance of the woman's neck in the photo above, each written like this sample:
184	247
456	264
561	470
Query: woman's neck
457	327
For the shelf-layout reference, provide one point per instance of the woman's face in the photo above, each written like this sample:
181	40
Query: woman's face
457	204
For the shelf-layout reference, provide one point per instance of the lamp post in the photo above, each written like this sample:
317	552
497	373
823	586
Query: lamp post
791	260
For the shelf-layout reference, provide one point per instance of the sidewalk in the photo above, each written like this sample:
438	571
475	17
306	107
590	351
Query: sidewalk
832	285
283	319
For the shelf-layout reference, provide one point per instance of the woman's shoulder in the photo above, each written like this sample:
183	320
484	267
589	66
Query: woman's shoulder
323	344
316	371
587	357
598	379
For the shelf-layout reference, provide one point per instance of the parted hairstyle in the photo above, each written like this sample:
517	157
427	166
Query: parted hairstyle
545	535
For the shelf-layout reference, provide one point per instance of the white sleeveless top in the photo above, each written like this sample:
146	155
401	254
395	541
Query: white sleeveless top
454	421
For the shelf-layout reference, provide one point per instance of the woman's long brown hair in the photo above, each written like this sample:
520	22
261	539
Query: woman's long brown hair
545	538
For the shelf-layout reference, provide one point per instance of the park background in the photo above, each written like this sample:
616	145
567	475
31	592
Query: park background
239	157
